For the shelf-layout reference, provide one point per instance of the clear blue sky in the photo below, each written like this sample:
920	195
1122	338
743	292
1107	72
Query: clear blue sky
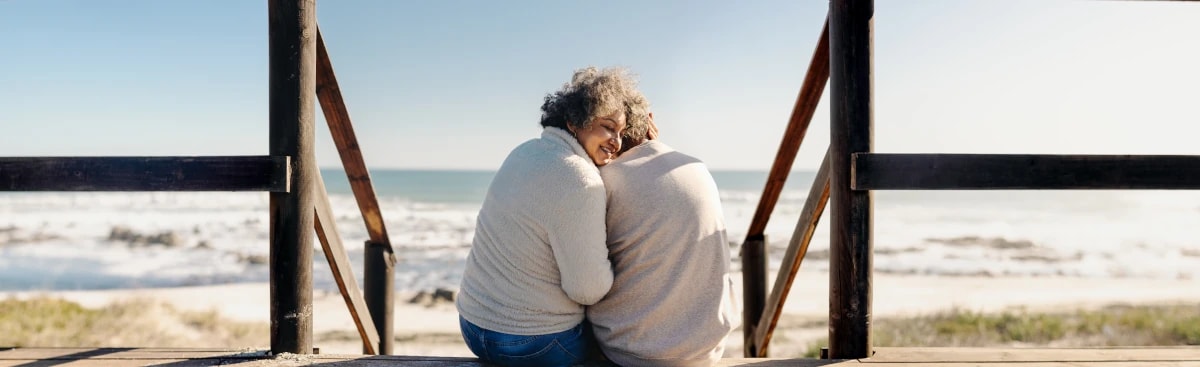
457	84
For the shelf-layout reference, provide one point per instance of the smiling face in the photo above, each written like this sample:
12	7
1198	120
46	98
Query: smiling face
602	138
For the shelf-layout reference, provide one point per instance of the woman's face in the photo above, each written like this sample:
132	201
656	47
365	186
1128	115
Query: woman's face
602	138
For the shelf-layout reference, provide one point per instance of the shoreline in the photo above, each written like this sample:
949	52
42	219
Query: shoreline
432	328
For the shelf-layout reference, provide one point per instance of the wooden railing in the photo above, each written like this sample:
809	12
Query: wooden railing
756	330
851	170
379	258
212	173
300	70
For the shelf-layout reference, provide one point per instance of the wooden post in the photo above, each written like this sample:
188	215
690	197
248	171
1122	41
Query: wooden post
378	270
292	55
851	119
380	259
754	289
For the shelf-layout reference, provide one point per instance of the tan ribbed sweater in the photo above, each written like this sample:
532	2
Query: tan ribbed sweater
671	302
539	251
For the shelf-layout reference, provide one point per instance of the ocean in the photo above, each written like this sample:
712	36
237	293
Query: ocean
85	240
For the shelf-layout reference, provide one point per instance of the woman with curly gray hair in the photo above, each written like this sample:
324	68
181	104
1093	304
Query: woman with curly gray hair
539	254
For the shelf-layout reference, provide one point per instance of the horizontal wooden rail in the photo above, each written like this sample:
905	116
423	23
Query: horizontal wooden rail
211	173
880	171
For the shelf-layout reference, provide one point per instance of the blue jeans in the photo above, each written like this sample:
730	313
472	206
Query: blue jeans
559	349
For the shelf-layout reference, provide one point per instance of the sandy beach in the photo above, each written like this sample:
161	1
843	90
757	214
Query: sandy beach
432	328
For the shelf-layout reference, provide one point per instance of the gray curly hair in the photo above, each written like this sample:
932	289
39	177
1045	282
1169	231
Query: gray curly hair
596	92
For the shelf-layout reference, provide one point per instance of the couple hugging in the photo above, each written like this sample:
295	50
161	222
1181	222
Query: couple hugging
597	241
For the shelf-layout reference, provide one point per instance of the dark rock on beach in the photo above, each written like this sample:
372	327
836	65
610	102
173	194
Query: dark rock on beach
438	296
817	255
135	239
999	243
11	235
897	251
253	259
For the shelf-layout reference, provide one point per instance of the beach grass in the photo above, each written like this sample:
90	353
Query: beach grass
53	322
1114	325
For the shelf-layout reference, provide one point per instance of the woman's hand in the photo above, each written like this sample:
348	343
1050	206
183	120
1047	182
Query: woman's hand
652	131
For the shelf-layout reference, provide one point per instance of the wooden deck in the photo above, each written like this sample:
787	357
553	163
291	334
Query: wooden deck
889	357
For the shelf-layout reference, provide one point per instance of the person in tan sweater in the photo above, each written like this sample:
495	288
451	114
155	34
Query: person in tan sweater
671	302
539	255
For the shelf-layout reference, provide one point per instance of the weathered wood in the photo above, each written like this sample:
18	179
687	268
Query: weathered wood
372	361
136	357
211	173
343	274
379	264
878	171
898	357
292	88
380	258
802	113
126	353
1108	354
851	119
754	289
806	226
806	105
342	131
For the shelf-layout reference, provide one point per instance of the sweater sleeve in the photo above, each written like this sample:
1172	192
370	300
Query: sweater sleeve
575	226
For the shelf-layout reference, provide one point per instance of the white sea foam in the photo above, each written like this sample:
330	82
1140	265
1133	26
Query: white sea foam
62	240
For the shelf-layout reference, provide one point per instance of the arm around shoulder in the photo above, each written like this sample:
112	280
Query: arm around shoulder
575	224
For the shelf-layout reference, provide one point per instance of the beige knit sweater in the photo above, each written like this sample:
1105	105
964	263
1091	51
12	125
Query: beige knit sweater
539	251
671	303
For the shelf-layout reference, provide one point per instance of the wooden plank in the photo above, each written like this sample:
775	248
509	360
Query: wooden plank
211	173
806	106
343	274
866	362
206	357
340	127
879	171
944	357
1118	354
806	226
434	363
380	258
753	249
851	119
59	353
379	361
69	353
292	57
115	363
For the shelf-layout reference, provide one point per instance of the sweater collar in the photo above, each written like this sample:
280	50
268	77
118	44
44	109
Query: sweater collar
561	137
645	149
